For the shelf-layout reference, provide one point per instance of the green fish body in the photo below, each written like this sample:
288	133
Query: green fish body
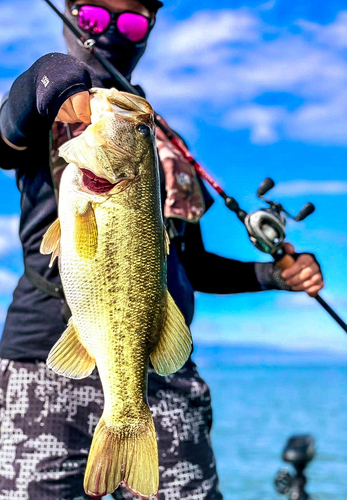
112	248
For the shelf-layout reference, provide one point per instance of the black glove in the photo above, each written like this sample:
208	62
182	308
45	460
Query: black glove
37	95
269	275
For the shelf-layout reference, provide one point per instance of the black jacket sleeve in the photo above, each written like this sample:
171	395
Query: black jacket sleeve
36	96
211	273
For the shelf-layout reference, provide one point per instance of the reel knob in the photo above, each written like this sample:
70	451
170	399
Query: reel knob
265	186
308	209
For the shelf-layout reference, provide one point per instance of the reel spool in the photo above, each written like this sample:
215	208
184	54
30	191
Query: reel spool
266	230
266	226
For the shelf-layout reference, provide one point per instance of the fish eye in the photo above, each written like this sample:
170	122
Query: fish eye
144	130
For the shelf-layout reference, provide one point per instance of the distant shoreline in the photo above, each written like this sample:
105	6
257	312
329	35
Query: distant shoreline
264	354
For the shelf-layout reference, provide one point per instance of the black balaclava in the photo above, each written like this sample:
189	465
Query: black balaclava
122	53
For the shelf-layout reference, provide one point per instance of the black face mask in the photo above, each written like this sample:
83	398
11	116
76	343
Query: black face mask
119	51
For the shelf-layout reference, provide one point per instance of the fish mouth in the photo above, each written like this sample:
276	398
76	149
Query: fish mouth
96	184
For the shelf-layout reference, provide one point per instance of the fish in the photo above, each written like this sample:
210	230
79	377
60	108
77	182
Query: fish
112	246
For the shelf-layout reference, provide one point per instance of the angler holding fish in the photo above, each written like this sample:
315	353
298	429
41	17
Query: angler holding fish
48	419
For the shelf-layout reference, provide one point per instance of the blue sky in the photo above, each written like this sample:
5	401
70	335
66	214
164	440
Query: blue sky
258	89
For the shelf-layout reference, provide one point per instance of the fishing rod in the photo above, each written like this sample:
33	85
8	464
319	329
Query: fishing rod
266	232
88	44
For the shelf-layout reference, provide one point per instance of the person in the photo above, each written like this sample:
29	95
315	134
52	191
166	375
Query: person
47	421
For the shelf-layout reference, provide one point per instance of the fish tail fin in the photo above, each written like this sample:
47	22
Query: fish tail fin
116	456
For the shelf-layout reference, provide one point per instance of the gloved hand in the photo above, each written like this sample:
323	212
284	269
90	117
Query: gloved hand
38	94
303	276
59	77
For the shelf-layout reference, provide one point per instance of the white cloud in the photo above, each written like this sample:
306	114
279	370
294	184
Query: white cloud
334	34
26	37
261	120
267	5
294	325
3	311
8	281
219	66
303	301
308	187
222	75
199	34
9	239
8	173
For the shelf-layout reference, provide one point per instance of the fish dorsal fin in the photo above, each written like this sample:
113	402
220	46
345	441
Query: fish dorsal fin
86	233
51	241
68	357
175	342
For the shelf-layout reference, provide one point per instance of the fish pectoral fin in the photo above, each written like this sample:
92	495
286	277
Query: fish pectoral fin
51	241
116	457
166	242
69	357
86	233
175	342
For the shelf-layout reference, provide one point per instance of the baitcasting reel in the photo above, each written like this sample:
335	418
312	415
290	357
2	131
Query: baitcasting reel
266	227
299	451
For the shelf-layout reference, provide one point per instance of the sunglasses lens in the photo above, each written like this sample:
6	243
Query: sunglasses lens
93	19
134	27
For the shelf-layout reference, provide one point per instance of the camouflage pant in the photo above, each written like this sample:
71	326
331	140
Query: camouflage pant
47	422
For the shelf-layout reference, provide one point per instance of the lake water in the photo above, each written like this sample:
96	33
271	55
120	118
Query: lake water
260	399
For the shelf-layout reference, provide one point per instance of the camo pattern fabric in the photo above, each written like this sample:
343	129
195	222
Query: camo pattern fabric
47	423
184	199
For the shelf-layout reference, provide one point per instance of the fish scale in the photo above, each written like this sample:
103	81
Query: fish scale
111	248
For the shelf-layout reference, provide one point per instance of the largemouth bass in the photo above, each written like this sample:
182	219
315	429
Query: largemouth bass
111	245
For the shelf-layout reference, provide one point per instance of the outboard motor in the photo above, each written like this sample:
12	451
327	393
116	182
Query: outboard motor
299	451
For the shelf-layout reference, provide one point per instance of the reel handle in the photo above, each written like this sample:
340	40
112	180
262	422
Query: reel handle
265	186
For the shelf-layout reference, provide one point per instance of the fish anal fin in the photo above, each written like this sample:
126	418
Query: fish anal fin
175	342
128	457
68	357
51	241
86	233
